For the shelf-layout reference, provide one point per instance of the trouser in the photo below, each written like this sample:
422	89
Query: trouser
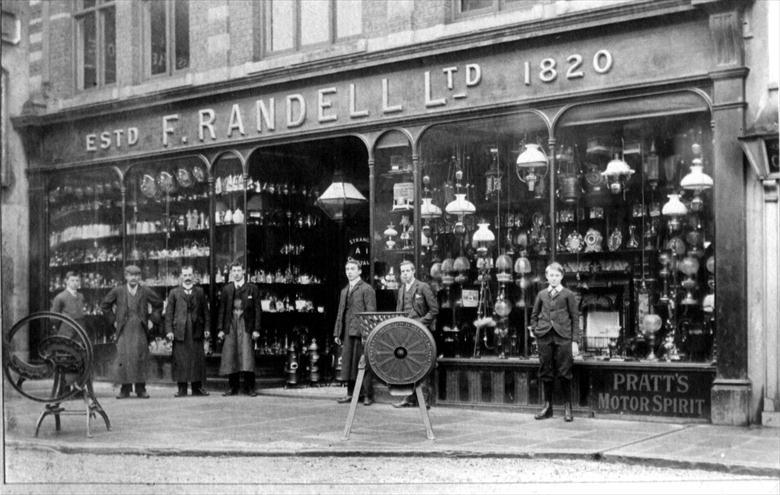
249	380
554	357
195	386
128	387
367	390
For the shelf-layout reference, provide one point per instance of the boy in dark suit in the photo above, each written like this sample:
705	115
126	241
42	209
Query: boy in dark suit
356	297
555	324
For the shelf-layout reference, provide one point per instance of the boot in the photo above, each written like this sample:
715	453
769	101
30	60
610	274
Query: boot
182	392
566	390
547	410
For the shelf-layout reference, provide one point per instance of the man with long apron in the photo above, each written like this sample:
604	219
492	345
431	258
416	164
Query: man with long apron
238	325
186	325
132	309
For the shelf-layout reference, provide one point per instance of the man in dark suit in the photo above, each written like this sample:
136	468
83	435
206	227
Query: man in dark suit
127	308
416	301
238	325
356	297
555	322
186	324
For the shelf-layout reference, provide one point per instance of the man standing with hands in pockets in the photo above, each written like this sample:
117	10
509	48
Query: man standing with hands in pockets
186	325
238	324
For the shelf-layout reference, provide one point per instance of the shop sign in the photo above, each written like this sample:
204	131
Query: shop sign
442	83
652	391
357	249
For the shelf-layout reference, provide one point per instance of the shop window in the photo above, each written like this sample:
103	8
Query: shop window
95	43
167	36
85	239
292	25
635	229
486	231
476	7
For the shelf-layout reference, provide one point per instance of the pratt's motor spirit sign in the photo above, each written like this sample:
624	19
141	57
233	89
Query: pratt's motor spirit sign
678	392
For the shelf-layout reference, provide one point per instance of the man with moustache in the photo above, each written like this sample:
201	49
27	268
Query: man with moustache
127	308
238	325
356	297
186	325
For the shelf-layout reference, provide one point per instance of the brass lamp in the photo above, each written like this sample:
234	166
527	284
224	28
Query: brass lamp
531	165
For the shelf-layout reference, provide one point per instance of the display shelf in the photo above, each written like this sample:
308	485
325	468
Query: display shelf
87	263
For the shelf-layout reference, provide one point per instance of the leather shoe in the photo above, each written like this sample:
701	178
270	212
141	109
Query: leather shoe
142	395
546	412
200	392
567	416
230	392
368	401
344	400
403	403
181	394
123	395
251	393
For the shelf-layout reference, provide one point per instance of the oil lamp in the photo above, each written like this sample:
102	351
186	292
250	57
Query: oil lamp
617	174
390	234
428	210
674	210
651	167
460	206
448	272
689	266
461	265
696	181
531	165
651	323
483	238
504	269
493	175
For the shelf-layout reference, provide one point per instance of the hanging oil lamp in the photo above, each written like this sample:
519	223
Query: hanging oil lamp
674	210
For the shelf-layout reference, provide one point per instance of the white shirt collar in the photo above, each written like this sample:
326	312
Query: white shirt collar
131	290
353	283
73	293
238	284
409	285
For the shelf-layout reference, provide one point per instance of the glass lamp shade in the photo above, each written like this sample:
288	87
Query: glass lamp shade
696	179
504	268
523	265
502	308
338	197
710	264
651	323
531	157
436	272
461	264
460	206
674	207
689	266
428	210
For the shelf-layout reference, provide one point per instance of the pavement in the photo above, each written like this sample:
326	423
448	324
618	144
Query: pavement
307	421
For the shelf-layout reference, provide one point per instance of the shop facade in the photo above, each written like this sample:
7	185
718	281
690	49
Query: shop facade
639	193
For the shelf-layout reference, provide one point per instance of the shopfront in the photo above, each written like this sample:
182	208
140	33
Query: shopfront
610	153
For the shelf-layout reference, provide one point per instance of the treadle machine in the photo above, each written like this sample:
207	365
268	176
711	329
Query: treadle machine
401	353
63	371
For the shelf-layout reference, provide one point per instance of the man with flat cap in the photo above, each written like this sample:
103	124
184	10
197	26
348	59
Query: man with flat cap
132	309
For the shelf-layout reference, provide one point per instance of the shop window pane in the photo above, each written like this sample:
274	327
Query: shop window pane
87	4
109	43
349	18
158	41
168	222
474	163
646	233
182	30
315	22
88	50
282	27
85	229
469	5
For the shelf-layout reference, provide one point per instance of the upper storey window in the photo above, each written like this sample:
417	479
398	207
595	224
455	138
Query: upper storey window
167	36
96	43
292	25
476	7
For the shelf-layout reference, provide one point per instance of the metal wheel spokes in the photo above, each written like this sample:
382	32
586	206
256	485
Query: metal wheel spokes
62	357
400	351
